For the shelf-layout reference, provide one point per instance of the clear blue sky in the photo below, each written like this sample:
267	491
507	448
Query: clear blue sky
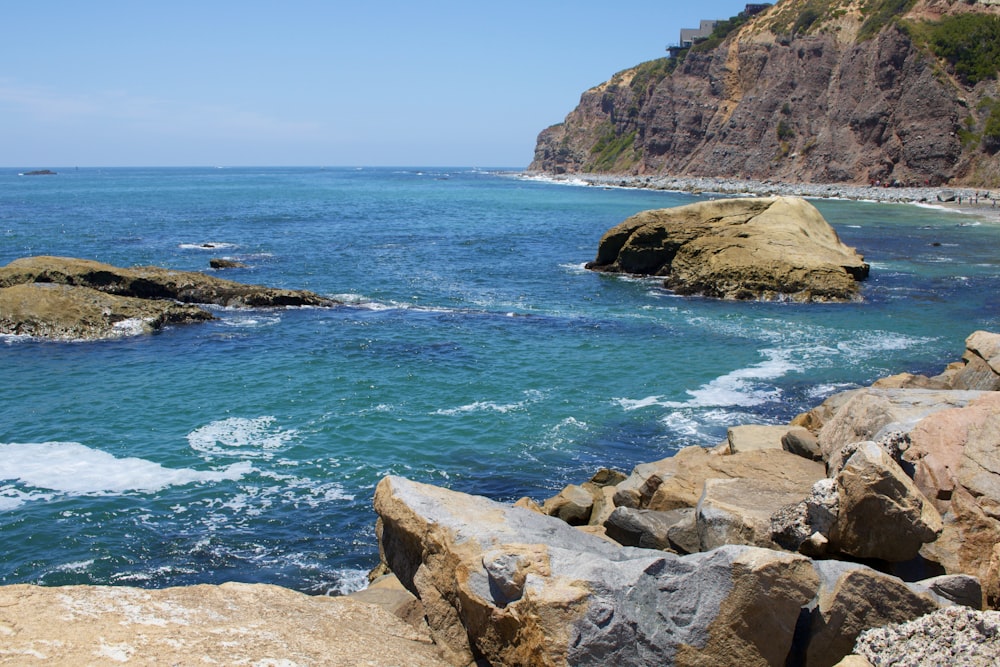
304	82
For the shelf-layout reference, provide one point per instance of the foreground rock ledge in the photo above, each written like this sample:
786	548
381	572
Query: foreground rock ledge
231	624
64	298
754	248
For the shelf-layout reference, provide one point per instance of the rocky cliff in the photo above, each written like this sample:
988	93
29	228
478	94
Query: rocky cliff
808	91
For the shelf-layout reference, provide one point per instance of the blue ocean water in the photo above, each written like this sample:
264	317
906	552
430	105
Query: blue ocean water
474	352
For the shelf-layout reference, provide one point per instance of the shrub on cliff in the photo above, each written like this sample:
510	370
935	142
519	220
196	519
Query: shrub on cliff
971	45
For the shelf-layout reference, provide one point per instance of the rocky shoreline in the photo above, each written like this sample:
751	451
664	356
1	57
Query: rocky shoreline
784	545
979	202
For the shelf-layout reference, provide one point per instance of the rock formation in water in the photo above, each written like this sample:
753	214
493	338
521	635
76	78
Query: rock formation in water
77	299
893	91
778	247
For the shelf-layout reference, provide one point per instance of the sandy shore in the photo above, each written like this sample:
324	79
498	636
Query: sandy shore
981	203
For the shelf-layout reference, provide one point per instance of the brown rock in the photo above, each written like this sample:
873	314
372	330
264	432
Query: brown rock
153	283
774	467
64	312
772	248
853	598
228	624
882	514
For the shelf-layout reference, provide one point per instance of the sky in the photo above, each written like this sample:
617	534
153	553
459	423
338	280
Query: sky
310	83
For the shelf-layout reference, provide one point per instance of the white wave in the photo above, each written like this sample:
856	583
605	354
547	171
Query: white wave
240	437
348	581
533	396
743	387
71	468
132	326
208	245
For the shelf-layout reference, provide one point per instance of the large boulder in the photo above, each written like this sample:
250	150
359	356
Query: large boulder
769	248
872	413
881	514
232	624
853	598
515	587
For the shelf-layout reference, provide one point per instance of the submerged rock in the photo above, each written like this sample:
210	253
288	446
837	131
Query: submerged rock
771	248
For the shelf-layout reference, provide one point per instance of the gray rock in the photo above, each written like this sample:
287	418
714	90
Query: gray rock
648	529
511	586
960	589
949	636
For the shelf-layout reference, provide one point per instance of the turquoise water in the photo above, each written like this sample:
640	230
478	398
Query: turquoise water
474	352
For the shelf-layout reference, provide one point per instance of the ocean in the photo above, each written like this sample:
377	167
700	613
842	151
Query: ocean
473	351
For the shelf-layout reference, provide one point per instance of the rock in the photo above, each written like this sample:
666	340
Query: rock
854	598
648	529
388	593
816	418
949	636
769	248
801	442
968	544
153	283
218	263
749	437
228	624
573	505
956	446
39	172
738	511
870	413
881	514
958	589
64	312
510	586
805	527
986	346
773	468
75	299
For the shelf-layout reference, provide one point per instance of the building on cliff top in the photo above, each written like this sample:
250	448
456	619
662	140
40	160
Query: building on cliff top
691	36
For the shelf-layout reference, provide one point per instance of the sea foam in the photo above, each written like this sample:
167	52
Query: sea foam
240	437
70	468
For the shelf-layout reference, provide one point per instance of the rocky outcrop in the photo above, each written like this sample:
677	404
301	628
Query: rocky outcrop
232	624
67	312
76	299
509	586
770	248
807	91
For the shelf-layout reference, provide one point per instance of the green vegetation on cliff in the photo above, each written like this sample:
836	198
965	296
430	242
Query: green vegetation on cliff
969	42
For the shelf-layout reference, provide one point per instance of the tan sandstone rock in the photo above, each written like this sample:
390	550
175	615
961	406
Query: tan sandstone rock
230	624
882	514
778	247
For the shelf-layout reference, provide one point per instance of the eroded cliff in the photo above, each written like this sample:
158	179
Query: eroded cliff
809	90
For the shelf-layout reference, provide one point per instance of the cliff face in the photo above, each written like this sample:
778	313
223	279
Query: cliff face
807	91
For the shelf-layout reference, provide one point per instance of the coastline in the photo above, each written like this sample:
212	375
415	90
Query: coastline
981	203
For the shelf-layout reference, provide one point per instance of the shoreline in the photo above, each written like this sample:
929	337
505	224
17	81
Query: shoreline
982	203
